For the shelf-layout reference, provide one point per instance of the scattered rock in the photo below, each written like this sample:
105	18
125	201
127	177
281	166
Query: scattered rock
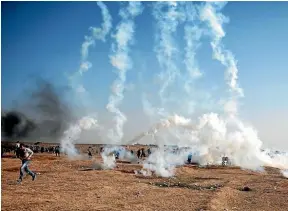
183	185
246	188
138	194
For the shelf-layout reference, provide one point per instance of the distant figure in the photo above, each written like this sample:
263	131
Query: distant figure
25	155
17	144
132	152
149	151
89	153
117	154
143	153
17	147
138	153
225	161
189	158
42	149
57	151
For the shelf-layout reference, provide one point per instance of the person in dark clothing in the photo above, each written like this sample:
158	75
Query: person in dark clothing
143	153
225	161
138	153
132	152
189	158
117	154
57	151
89	153
149	151
25	155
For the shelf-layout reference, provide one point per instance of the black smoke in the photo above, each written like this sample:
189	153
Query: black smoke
15	125
43	115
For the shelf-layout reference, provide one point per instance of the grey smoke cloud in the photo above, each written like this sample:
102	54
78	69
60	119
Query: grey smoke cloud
43	114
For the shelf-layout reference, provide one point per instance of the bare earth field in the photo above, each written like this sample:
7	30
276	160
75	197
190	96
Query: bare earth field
67	185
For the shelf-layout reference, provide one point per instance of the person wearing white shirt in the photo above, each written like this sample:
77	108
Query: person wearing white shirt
25	156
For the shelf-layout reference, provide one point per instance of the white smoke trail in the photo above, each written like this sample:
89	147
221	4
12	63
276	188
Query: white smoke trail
168	16
209	13
236	139
97	34
121	61
166	48
216	136
72	135
85	65
74	131
172	121
192	37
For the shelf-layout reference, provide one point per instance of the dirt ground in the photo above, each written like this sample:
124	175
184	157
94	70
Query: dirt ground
64	184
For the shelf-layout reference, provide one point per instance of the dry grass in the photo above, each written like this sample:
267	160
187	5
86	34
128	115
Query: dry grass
64	185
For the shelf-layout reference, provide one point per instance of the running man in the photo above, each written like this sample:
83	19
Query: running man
25	155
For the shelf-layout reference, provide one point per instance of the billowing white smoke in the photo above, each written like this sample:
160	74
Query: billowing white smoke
163	161
209	137
276	159
231	138
108	156
122	62
171	121
243	143
72	134
285	173
213	136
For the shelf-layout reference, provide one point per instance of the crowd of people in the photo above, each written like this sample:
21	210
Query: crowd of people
140	153
25	152
35	148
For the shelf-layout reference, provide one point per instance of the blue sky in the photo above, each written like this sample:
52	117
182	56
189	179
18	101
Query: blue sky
44	39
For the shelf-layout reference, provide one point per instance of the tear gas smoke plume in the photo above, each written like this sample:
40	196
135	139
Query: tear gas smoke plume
72	134
42	115
121	61
168	17
109	153
207	136
96	34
